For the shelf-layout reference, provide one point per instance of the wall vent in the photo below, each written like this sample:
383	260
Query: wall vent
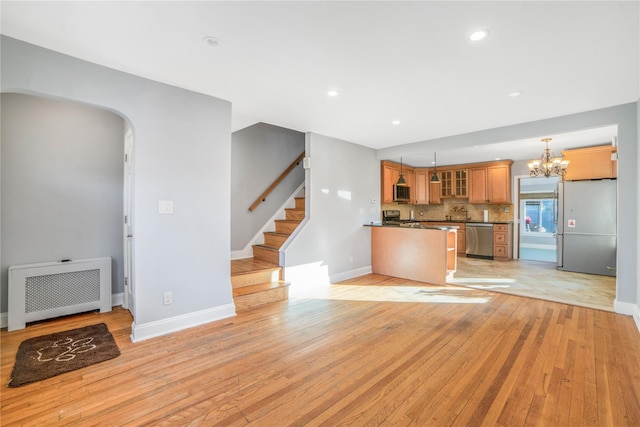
42	291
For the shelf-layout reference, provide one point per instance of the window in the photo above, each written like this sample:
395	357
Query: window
539	216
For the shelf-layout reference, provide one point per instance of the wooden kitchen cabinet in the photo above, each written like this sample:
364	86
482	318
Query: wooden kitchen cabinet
499	184
434	190
460	183
479	182
389	174
502	247
478	185
490	184
409	177
421	192
453	183
591	163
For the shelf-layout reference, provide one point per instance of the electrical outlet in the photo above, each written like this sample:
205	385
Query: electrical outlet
506	208
350	258
168	298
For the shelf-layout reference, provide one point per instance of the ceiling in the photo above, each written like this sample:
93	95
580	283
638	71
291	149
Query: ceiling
406	61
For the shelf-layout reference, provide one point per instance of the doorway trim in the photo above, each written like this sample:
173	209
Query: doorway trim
127	206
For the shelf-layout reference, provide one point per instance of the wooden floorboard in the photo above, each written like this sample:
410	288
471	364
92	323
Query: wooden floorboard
369	351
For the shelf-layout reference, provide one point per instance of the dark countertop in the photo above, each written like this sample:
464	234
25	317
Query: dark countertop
415	224
463	221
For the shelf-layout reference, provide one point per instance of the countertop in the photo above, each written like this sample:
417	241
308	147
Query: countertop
462	221
415	224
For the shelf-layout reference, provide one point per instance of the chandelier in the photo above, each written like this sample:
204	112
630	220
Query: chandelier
548	164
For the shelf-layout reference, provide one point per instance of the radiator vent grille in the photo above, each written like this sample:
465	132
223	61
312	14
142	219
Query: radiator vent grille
61	290
52	289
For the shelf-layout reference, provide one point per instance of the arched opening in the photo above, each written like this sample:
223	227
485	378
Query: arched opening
63	186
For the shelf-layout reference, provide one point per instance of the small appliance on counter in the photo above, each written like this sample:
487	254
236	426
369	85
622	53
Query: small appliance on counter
392	217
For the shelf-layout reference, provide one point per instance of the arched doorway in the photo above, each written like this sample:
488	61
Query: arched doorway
62	185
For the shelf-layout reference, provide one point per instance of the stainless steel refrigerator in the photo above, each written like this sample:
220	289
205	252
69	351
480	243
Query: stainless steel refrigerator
587	226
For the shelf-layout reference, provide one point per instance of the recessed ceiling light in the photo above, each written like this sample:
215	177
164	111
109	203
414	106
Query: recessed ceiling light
497	158
211	41
395	122
478	35
515	94
332	93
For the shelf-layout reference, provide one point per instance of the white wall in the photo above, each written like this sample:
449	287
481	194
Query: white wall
182	153
340	185
62	175
637	308
259	154
626	117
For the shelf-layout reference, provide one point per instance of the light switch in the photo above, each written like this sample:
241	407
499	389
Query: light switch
165	206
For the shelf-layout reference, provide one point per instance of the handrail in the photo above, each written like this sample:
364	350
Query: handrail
275	183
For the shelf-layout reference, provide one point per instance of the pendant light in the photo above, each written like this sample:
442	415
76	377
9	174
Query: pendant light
435	179
401	182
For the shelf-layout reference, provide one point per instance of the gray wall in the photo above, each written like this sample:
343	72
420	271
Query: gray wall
259	154
626	117
62	184
182	153
341	183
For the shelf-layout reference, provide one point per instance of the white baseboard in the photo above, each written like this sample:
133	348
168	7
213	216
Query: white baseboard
346	275
538	246
626	308
636	318
140	332
116	300
242	253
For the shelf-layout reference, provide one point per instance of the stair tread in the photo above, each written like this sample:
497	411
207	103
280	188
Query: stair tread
275	233
289	220
251	265
259	287
269	248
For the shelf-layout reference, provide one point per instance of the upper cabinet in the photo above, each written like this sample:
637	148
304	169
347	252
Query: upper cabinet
453	183
591	163
435	189
499	183
389	173
479	182
421	188
478	185
490	183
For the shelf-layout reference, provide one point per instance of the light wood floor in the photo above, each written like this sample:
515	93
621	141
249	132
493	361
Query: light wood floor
537	279
427	355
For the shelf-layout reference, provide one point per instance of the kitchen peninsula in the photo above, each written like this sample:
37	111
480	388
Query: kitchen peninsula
414	251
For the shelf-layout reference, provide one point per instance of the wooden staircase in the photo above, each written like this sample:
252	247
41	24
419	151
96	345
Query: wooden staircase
258	280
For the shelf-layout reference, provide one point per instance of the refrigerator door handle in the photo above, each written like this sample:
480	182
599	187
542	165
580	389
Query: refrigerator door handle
559	193
559	249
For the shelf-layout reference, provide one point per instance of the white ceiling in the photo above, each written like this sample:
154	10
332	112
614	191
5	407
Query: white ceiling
407	61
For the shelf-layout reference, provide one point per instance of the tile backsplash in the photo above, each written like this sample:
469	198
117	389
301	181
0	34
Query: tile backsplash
457	209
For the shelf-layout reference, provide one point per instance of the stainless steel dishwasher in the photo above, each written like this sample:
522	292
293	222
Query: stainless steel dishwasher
479	238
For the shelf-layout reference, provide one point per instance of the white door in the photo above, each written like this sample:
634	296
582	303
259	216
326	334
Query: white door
127	229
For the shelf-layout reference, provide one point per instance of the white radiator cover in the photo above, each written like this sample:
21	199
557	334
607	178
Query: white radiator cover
51	289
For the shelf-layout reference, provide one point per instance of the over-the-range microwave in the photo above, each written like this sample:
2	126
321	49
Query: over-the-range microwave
401	193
